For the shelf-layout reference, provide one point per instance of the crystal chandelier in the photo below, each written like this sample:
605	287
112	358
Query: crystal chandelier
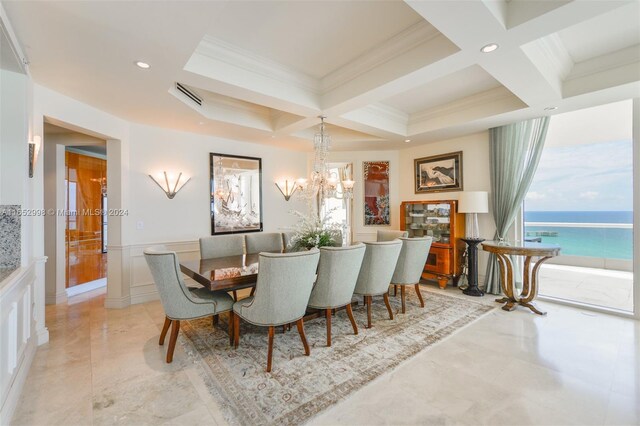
323	184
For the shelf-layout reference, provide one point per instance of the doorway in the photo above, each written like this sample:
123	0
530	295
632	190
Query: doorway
338	209
86	221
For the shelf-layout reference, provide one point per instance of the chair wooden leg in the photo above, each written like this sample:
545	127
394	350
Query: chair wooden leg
352	319
165	328
395	290
232	320
386	302
236	330
419	295
253	291
402	295
369	311
270	350
215	320
300	324
175	328
328	315
235	296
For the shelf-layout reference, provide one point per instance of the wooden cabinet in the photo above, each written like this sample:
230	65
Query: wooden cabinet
440	220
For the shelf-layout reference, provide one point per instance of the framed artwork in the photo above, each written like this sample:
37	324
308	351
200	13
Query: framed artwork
438	173
376	192
236	194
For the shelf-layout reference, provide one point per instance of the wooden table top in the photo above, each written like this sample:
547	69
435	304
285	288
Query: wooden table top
223	273
521	248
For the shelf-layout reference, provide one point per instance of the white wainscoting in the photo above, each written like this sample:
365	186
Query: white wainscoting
18	337
142	287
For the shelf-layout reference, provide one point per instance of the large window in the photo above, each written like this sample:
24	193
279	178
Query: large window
582	200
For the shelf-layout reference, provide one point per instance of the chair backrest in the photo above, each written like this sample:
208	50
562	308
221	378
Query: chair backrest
386	235
176	299
286	240
337	274
411	260
264	242
377	267
284	285
221	246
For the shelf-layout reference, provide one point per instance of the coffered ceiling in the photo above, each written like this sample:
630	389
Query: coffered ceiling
381	71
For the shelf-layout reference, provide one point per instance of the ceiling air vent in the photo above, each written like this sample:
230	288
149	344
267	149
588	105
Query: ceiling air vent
195	98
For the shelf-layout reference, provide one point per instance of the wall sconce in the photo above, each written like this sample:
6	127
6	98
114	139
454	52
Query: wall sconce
170	186
34	148
289	189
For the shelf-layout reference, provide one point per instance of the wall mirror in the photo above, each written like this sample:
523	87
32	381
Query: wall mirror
236	194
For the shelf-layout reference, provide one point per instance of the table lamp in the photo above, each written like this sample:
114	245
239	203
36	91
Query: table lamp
472	203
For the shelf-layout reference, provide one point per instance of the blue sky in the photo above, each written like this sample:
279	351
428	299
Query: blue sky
596	176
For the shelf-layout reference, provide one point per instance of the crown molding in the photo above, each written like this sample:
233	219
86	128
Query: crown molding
554	53
617	59
380	116
230	54
401	43
473	101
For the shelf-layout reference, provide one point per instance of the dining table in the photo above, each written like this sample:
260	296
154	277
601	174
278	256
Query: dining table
223	273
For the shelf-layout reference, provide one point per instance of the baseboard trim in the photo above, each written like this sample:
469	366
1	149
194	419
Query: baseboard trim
43	335
56	299
15	390
145	297
117	302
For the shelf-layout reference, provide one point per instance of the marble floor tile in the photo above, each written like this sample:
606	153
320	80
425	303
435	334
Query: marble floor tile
570	367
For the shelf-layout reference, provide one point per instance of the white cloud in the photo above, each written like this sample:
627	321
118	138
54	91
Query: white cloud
589	195
533	195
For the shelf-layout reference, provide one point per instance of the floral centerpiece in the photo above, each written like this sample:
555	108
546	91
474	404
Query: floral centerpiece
315	232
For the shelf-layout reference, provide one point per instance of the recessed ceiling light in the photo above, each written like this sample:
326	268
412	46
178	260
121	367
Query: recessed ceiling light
201	122
551	108
143	65
407	140
489	48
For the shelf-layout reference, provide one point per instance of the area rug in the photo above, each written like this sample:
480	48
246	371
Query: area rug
300	387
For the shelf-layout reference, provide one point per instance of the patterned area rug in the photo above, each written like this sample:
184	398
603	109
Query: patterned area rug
299	387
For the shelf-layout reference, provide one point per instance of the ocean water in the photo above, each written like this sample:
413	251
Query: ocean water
611	243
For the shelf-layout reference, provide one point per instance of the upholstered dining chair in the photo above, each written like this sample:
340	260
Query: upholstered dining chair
269	242
410	265
286	242
337	275
284	285
222	246
179	301
375	274
389	235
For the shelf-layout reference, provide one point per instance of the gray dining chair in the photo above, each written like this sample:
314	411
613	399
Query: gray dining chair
390	235
337	275
374	278
284	285
179	301
268	242
410	266
222	246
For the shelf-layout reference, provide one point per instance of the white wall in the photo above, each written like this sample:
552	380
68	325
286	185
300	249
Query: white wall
475	177
360	231
187	216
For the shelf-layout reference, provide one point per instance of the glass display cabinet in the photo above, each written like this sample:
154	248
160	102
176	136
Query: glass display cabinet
440	220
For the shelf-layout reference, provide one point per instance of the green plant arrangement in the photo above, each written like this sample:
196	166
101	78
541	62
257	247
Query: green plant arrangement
315	232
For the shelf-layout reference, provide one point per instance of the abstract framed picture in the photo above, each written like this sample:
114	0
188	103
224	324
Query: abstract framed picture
438	173
236	194
376	192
